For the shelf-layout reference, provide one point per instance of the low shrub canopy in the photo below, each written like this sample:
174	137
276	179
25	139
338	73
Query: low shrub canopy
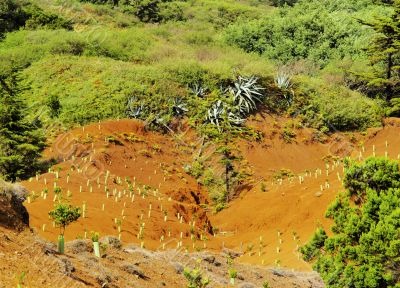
363	251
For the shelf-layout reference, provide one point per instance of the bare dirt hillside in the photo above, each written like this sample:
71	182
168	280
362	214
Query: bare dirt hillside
30	261
126	177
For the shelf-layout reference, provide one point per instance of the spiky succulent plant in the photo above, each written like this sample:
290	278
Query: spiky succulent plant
199	90
235	119
246	93
214	114
134	108
283	80
219	110
179	108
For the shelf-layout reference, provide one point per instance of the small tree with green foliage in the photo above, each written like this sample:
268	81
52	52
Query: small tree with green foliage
11	16
54	106
222	132
385	49
15	14
63	215
20	141
265	284
364	249
195	278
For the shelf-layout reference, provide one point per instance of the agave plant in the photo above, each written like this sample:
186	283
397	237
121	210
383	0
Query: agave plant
155	120
283	80
246	93
198	90
133	108
289	95
179	108
215	115
235	119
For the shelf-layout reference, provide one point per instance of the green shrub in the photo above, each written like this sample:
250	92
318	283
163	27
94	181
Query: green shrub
311	250
17	14
348	112
283	174
288	135
332	107
148	11
196	169
63	215
280	3
195	278
37	18
374	173
289	34
11	16
362	251
170	11
54	105
394	110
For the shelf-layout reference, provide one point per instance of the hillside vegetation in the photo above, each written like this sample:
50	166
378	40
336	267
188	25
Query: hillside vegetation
226	81
107	53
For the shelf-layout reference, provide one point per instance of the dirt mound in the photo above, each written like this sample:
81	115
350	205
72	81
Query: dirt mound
13	214
126	266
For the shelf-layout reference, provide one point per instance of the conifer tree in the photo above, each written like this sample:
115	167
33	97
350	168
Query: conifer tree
363	250
11	16
385	50
20	141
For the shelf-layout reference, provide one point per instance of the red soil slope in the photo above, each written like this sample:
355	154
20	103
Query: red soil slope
268	226
94	165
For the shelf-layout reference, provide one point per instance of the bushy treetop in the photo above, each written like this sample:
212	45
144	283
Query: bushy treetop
364	250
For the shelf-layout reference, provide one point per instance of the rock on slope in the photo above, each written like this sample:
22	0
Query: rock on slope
12	212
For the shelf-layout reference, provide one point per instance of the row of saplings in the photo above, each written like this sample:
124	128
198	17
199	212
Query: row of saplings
65	214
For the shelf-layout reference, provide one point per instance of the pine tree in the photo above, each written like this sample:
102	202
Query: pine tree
385	49
11	16
20	141
363	250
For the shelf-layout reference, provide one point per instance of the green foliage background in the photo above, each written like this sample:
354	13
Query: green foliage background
111	56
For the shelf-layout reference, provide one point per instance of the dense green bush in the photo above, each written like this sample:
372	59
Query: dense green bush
363	251
283	2
290	34
17	14
25	47
156	11
11	16
332	107
148	11
375	173
394	110
348	112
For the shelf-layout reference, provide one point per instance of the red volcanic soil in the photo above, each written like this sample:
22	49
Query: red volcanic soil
141	173
142	169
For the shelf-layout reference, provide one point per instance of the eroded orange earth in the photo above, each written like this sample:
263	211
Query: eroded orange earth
142	173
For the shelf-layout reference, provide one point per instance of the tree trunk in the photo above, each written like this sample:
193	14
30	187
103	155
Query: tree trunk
389	91
227	167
